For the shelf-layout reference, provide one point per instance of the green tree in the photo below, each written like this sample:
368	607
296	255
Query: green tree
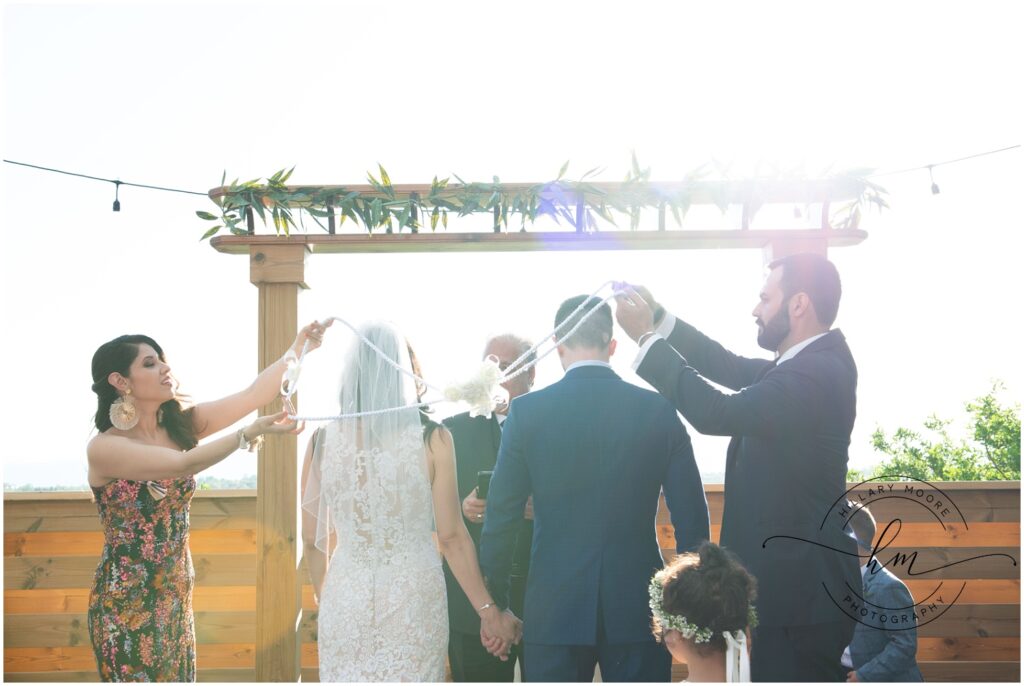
992	452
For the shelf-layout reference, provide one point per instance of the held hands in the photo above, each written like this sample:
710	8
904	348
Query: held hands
473	508
851	676
634	310
499	631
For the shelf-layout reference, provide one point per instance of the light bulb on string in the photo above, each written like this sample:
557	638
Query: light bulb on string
117	201
935	186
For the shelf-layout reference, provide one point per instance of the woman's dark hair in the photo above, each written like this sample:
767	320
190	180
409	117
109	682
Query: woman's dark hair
429	425
712	590
117	356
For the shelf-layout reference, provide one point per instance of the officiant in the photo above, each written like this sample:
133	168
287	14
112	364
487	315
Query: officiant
476	451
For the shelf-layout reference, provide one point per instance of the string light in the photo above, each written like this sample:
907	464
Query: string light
118	183
929	167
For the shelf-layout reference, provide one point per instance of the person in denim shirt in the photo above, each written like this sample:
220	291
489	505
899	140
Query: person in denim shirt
877	654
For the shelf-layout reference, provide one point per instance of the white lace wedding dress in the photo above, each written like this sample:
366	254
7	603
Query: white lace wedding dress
383	614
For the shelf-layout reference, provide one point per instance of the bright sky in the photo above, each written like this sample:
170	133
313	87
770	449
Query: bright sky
172	95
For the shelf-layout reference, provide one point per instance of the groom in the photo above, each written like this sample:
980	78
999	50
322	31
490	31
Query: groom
595	453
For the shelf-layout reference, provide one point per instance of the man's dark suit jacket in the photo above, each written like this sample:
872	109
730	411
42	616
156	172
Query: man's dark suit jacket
476	450
595	452
787	461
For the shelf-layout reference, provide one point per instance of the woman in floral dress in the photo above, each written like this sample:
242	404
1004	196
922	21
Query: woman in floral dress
141	470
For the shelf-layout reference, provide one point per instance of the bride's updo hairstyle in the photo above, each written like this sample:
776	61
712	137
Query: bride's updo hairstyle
712	590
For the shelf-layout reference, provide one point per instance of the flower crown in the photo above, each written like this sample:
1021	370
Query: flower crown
679	623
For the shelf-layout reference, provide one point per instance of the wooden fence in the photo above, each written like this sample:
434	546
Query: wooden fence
52	543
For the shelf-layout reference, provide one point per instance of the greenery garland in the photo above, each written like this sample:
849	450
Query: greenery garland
580	202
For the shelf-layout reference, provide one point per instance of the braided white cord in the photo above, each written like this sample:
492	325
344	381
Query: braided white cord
368	413
509	376
289	384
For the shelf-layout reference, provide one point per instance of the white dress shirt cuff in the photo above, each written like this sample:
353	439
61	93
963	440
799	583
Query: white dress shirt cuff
668	322
662	331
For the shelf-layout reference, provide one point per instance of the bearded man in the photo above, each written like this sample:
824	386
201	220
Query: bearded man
790	421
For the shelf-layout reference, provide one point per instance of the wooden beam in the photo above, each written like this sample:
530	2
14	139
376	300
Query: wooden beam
783	246
278	271
527	241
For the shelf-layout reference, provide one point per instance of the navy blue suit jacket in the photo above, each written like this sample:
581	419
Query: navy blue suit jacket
790	426
595	452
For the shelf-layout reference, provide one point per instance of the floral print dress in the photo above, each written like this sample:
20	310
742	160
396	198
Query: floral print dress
140	607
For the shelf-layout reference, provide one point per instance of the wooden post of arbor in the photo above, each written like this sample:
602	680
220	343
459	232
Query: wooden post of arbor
278	271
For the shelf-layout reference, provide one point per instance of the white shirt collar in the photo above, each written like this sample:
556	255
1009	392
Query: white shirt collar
792	352
588	363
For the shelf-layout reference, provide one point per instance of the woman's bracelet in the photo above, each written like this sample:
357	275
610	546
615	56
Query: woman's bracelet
245	444
484	607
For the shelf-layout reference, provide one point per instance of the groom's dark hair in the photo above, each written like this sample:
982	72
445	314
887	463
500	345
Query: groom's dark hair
596	332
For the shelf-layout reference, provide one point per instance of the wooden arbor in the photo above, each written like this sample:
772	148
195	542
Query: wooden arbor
277	269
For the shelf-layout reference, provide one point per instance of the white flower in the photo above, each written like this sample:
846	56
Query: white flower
483	392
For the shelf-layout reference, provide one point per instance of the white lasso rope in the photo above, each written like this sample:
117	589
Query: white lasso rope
480	391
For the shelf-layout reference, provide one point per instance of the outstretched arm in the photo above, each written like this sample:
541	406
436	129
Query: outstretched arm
118	457
210	417
711	359
784	402
635	313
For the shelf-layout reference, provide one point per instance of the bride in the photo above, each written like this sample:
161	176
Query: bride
373	487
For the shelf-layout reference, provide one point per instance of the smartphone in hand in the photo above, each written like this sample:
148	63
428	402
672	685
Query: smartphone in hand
483	483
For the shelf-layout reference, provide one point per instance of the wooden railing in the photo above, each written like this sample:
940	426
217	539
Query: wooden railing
52	543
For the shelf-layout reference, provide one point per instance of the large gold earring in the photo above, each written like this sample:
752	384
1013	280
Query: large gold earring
123	414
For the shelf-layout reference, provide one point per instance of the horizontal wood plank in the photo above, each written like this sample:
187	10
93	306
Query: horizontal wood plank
916	534
528	241
71	543
204	599
91	676
52	659
80	658
71	629
973	621
1000	506
243	598
976	592
21	516
202	675
991	563
997	671
931	649
77	572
